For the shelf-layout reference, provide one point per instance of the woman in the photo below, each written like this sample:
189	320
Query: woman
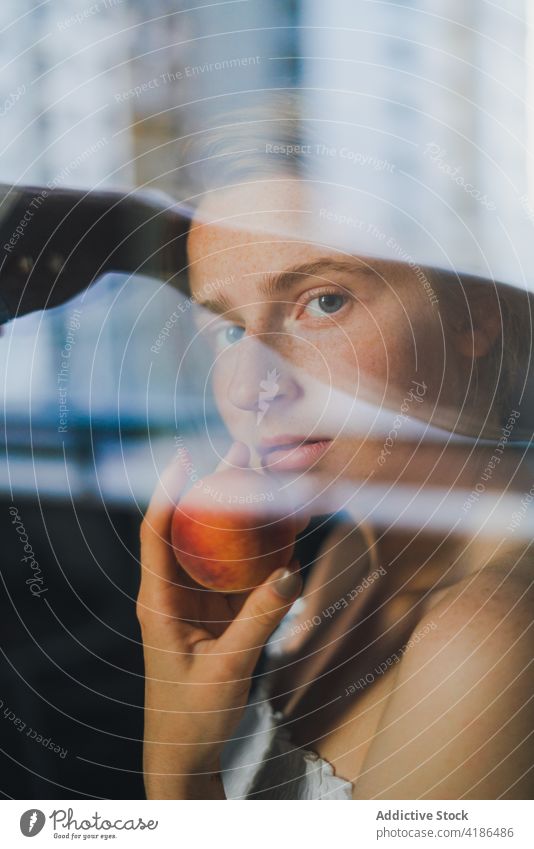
404	670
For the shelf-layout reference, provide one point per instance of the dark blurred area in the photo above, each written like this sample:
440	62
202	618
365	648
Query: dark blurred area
71	658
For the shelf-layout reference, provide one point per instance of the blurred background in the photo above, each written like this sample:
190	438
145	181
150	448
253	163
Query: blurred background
96	95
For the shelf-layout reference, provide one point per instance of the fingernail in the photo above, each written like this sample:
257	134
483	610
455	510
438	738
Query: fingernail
286	583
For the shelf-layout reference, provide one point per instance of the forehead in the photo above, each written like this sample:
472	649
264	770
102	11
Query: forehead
251	233
264	203
258	228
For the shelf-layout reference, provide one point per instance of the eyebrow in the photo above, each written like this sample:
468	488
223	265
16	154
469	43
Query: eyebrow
276	284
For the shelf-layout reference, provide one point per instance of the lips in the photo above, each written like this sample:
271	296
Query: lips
291	453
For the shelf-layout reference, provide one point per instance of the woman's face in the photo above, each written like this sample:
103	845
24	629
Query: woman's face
300	332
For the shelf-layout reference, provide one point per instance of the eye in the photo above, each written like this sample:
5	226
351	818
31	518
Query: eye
325	304
227	335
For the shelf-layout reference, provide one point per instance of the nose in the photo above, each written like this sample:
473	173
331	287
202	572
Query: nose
261	376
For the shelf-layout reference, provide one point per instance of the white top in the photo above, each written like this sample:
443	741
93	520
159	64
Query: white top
260	762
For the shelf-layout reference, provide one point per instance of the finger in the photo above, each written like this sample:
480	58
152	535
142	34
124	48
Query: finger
261	613
238	455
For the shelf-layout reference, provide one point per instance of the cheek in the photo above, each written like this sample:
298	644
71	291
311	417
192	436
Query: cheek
219	386
388	349
362	352
220	378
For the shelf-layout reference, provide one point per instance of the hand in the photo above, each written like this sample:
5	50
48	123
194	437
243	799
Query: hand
200	650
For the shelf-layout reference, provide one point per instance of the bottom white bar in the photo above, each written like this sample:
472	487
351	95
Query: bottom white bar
269	825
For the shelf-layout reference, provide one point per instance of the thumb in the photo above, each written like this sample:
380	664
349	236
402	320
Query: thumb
263	610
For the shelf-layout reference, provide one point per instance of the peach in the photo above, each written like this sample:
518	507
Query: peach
232	529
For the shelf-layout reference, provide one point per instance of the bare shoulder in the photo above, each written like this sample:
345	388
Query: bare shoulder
461	713
480	633
495	603
486	615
